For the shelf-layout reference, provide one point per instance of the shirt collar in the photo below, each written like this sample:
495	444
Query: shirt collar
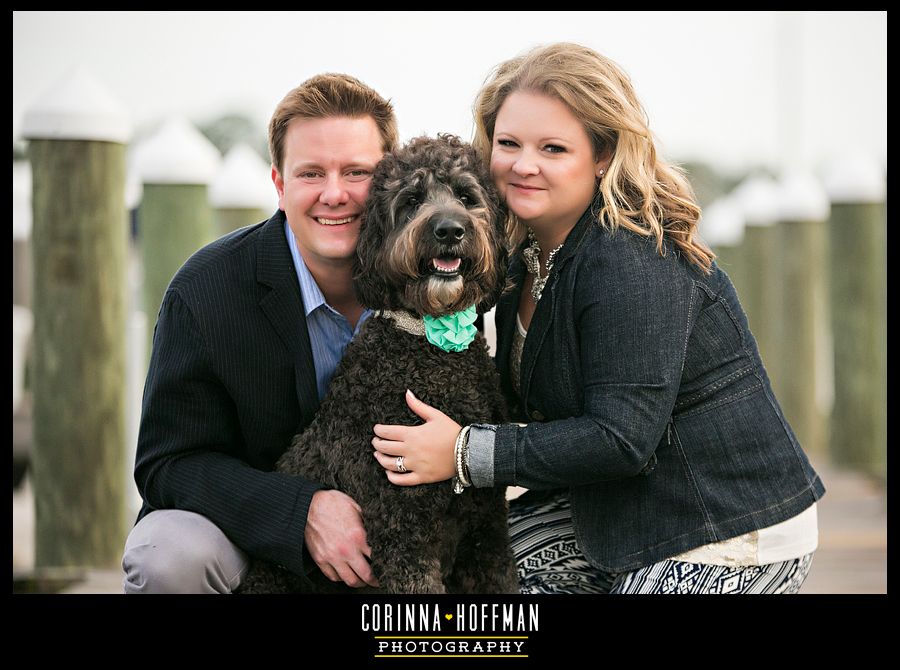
309	289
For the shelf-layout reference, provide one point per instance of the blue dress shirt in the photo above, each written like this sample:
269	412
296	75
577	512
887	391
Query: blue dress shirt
329	330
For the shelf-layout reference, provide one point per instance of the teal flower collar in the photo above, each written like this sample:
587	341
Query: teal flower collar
453	332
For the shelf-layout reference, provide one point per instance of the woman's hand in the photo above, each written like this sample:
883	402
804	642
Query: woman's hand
427	450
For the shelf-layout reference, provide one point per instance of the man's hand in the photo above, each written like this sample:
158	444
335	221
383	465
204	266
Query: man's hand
336	539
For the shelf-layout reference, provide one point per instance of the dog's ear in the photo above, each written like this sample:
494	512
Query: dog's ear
500	283
499	212
499	215
368	278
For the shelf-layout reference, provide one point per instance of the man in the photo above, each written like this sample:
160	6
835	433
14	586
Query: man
248	336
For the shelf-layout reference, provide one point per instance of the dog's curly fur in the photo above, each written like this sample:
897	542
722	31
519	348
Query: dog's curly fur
432	199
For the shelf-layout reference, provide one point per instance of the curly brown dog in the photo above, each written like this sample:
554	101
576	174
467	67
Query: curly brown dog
431	243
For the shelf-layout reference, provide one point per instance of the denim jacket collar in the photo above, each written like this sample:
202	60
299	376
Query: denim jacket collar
508	307
577	234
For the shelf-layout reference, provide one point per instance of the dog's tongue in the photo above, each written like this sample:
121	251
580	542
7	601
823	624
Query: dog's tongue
447	265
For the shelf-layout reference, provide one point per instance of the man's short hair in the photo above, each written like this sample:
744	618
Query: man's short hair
331	95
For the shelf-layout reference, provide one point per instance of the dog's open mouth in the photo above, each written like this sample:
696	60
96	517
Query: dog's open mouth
446	267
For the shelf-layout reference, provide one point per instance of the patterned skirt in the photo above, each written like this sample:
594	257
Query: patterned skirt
550	561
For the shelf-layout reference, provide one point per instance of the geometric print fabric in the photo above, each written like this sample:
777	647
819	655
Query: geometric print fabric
549	560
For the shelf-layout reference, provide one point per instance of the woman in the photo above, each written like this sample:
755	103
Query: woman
656	456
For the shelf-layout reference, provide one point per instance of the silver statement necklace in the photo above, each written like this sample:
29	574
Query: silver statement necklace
532	255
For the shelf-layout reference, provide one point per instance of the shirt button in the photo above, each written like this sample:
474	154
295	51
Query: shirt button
537	416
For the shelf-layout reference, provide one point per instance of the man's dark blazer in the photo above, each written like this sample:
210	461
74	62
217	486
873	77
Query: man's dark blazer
231	380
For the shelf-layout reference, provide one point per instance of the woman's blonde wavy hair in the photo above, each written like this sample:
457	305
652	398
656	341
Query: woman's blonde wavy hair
641	192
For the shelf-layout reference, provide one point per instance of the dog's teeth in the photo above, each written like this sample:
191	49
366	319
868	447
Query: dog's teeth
446	265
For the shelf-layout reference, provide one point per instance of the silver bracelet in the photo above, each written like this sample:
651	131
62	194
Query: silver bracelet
461	452
464	458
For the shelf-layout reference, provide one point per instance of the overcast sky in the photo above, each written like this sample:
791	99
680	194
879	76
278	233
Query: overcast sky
731	88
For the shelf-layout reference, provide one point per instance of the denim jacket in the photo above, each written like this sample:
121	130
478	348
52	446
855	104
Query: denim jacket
647	398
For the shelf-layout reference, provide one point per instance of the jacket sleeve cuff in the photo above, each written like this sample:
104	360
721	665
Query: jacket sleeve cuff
294	555
481	455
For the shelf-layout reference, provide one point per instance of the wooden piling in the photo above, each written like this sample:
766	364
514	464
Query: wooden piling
760	292
722	227
174	218
77	136
858	293
242	193
806	386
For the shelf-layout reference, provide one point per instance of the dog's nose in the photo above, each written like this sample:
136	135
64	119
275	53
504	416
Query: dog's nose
447	231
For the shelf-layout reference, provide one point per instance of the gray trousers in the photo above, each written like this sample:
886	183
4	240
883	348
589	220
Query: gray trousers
174	551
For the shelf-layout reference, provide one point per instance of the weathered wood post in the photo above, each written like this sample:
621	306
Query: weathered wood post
722	227
22	233
175	166
806	386
242	193
135	344
77	136
757	197
858	282
22	317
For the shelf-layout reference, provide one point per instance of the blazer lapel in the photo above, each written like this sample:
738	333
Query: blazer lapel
283	305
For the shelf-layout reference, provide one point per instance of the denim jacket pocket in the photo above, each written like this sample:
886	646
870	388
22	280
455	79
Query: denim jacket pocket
736	385
716	346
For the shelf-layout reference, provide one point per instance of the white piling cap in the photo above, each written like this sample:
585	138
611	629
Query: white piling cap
803	198
177	153
855	179
722	223
243	182
758	198
78	107
21	223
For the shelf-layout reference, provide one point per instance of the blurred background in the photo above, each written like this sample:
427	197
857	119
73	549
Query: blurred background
138	137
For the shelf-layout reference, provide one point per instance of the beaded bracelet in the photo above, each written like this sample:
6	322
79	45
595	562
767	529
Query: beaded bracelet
461	452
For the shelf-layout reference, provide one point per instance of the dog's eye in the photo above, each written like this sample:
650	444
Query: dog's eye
412	201
464	199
